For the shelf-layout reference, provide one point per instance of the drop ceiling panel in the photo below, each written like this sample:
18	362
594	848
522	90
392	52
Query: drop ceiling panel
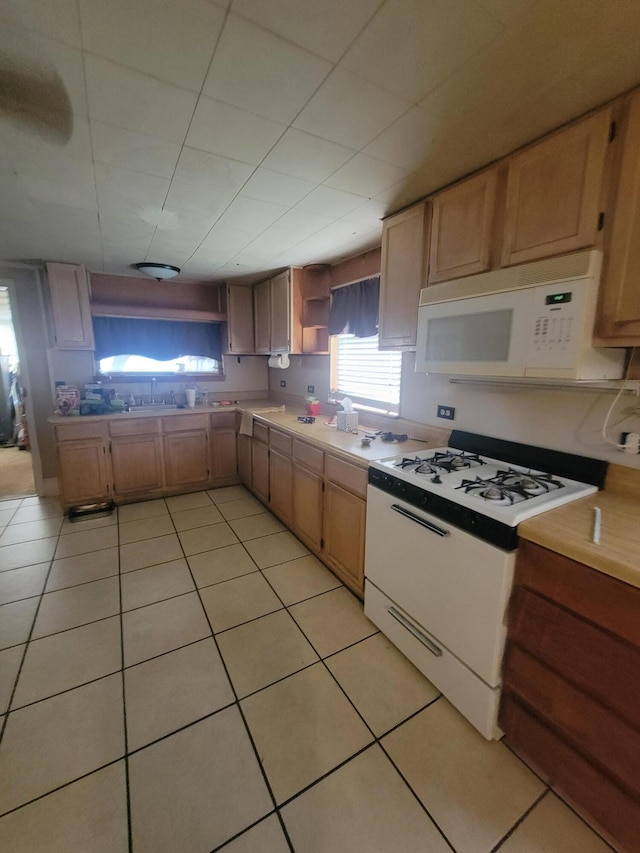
231	132
406	143
149	106
267	185
349	110
203	199
164	40
330	202
57	19
252	216
305	156
412	45
366	176
121	188
219	173
326	27
273	78
127	149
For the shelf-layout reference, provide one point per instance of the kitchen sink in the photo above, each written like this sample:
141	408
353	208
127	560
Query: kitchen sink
153	407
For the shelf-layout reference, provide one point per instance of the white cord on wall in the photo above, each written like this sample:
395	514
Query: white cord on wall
635	411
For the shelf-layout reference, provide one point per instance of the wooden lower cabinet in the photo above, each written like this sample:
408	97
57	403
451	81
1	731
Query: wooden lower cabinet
571	696
244	459
136	466
129	459
344	535
224	454
83	471
260	470
186	459
308	506
280	485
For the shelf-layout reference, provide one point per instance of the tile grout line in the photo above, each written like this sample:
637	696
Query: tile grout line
237	703
26	645
124	693
520	820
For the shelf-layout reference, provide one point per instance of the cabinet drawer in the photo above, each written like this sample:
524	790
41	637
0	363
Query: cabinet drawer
348	476
280	441
76	431
594	660
184	423
260	432
608	602
135	426
581	719
223	419
308	456
471	696
571	774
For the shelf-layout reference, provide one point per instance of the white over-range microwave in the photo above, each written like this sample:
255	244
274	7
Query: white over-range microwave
534	320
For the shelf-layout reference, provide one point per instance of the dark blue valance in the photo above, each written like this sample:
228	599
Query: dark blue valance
354	308
159	339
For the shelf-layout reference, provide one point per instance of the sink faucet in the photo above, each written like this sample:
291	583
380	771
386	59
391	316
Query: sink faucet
153	390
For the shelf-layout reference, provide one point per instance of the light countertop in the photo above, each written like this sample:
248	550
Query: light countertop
568	530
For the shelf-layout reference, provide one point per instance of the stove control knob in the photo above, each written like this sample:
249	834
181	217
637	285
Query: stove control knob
436	479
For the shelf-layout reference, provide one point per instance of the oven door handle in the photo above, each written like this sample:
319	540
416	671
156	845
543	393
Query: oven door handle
435	650
413	517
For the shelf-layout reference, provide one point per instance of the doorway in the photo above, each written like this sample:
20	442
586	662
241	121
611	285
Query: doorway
16	463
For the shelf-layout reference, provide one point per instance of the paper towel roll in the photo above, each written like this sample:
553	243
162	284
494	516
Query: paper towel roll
280	360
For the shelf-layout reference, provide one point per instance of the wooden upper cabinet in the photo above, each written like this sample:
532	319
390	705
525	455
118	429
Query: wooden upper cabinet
281	312
402	277
618	322
553	192
262	316
462	228
69	288
239	319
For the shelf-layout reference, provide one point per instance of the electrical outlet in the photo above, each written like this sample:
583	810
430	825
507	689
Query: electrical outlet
311	389
283	383
447	412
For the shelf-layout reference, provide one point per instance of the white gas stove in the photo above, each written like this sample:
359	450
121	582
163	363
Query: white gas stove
442	535
507	493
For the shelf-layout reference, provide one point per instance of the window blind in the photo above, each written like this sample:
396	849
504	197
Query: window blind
368	376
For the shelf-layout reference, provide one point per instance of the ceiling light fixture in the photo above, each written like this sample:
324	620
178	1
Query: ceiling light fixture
158	271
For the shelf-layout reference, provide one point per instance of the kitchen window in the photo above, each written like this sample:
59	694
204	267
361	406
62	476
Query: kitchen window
359	370
369	376
128	348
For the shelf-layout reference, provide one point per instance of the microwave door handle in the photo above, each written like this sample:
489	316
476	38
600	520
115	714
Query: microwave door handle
440	531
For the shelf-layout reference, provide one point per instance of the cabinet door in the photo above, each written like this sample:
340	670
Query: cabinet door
136	462
244	459
224	454
69	288
344	534
186	459
262	314
239	319
281	313
553	192
307	506
402	277
462	228
260	470
82	472
618	321
280	483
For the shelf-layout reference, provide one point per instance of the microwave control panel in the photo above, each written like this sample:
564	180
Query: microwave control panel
556	327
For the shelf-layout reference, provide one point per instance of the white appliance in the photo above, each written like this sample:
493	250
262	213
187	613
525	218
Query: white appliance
441	540
532	321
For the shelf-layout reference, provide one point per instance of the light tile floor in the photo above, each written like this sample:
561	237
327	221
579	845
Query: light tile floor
185	676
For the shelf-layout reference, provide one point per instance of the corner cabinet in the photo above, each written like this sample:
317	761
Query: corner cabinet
69	290
571	700
618	321
402	276
554	192
273	311
462	228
